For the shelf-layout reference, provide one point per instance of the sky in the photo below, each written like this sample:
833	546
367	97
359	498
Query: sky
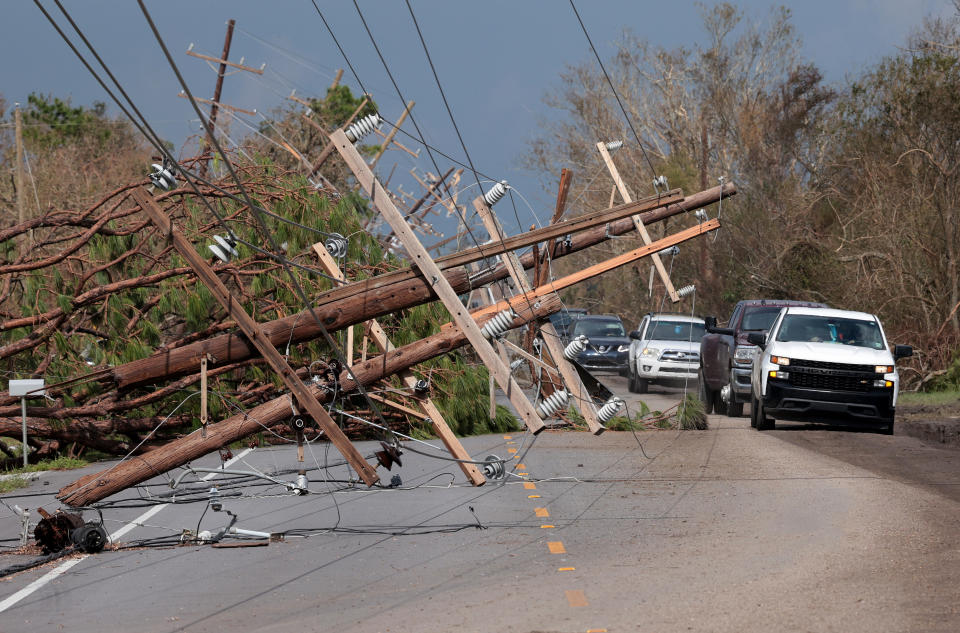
495	59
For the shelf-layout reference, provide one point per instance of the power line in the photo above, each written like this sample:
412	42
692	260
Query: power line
615	94
260	221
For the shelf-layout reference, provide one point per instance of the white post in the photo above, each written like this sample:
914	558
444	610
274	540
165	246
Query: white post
23	411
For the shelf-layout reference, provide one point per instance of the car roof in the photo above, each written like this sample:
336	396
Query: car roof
600	317
782	303
673	316
831	312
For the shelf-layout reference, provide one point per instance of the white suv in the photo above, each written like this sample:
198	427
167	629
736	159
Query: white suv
827	366
665	348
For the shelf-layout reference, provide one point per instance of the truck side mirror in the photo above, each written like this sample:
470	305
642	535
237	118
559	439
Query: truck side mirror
902	351
757	338
710	322
635	335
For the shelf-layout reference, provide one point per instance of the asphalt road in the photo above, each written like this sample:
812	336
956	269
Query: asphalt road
729	529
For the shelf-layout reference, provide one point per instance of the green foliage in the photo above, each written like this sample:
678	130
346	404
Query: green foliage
691	415
950	379
339	104
50	121
9	484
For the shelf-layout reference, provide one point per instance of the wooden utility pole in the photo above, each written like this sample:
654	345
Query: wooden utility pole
551	339
638	223
370	298
422	260
21	193
254	332
433	414
96	486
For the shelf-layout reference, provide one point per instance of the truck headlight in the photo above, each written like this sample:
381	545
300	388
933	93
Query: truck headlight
744	353
782	375
882	383
883	369
780	360
650	352
623	348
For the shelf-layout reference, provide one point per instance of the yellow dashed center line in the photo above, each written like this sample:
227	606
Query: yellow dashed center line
508	437
556	547
546	526
566	568
511	450
541	512
596	631
576	598
529	485
521	467
533	496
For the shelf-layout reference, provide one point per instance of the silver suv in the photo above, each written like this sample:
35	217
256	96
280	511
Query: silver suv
665	348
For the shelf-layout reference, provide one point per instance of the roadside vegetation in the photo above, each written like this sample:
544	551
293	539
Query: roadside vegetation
847	191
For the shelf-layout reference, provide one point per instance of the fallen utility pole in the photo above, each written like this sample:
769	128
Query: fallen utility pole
432	413
254	333
637	222
422	260
96	486
571	379
364	300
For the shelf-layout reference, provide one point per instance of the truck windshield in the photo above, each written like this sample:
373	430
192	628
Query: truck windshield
822	329
760	318
675	331
598	329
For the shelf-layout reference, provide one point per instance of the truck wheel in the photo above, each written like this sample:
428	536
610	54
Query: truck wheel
763	422
753	412
705	394
734	409
632	382
642	385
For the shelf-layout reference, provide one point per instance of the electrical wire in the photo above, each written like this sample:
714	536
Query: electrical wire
613	89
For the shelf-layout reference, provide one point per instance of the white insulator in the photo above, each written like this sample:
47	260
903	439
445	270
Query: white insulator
672	250
613	146
660	181
574	347
686	290
496	192
609	409
336	245
363	127
500	323
701	215
493	467
163	178
553	403
225	248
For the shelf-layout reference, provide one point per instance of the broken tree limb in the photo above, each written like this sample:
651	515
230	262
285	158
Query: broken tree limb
367	299
424	262
254	332
97	486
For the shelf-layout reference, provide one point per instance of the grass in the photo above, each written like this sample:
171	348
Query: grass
935	398
12	483
60	463
691	414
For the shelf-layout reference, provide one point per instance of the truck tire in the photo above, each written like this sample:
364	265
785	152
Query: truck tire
632	382
764	423
753	412
642	385
734	408
705	394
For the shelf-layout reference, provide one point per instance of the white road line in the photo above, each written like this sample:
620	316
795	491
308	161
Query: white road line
64	567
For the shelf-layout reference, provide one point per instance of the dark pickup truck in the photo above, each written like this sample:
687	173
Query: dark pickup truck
726	357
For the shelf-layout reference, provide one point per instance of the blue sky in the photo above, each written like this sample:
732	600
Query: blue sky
495	58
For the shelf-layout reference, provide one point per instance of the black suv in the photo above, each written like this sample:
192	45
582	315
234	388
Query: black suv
609	345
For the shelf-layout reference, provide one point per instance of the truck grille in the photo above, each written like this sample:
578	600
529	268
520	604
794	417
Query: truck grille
674	356
830	381
816	364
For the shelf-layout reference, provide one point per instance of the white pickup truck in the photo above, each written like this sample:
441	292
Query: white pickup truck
825	366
